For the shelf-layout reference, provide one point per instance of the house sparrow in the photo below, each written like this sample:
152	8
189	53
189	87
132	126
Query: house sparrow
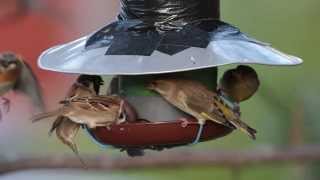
83	106
16	75
66	130
195	99
94	111
239	84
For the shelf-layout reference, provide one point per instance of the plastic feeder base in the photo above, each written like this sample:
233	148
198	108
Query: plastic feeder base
157	135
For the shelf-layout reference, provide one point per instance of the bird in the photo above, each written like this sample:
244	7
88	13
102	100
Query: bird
66	130
17	76
195	99
94	111
84	106
239	84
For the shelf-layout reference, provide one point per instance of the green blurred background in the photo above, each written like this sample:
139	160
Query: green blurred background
285	110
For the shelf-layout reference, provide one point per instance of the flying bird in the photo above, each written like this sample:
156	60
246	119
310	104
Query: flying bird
197	100
17	76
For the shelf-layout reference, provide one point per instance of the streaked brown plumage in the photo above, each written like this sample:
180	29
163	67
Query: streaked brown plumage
94	111
66	130
83	106
240	83
195	99
16	75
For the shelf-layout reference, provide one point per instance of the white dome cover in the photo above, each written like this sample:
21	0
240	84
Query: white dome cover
73	57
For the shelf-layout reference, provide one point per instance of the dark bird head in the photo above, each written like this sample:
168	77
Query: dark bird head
240	83
91	81
9	61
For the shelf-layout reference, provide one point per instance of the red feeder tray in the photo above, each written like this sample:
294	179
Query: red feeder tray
157	135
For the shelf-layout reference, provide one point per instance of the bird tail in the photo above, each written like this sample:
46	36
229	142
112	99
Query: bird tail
47	115
244	128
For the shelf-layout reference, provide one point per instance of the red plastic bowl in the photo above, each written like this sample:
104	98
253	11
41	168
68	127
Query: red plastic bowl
157	135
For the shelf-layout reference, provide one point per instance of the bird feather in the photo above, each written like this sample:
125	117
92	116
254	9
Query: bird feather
27	83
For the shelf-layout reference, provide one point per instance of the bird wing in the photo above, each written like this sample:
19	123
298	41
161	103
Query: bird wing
28	84
219	113
56	124
201	104
66	131
233	117
91	112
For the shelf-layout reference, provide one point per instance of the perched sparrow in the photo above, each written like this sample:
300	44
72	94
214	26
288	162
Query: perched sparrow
17	76
66	130
83	106
195	99
239	84
94	111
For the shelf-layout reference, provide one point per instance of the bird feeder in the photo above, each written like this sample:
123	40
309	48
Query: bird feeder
153	39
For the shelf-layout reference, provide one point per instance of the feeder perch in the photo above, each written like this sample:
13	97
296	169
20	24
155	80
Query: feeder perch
153	39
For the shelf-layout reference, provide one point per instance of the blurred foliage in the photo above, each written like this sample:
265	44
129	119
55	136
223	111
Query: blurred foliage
289	25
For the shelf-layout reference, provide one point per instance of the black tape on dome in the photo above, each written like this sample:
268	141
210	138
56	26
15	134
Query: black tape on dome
169	26
169	14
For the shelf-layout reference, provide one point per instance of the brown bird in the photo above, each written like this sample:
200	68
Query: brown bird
94	111
83	106
17	76
195	99
239	84
66	130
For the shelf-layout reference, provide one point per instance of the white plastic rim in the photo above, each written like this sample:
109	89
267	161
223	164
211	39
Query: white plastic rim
74	58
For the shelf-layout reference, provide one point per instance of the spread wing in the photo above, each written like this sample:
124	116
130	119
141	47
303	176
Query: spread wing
28	84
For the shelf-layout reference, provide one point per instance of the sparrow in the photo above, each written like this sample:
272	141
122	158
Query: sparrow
17	76
197	100
83	106
66	130
94	111
101	111
239	84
